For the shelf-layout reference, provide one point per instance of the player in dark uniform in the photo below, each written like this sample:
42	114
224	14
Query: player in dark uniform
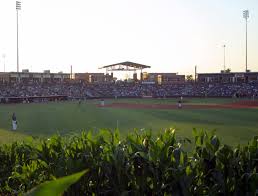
14	122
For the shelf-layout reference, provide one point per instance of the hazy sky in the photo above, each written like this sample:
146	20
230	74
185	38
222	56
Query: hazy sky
169	35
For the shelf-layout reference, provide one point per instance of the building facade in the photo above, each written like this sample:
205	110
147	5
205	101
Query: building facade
162	78
232	77
26	76
93	77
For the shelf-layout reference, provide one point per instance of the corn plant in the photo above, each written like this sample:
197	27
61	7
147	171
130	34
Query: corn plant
136	164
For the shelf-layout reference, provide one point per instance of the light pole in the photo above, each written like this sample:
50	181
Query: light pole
18	7
3	55
224	46
246	16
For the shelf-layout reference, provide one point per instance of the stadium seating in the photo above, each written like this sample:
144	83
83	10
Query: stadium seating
124	89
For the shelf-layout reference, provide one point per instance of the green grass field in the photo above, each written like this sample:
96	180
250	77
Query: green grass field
45	119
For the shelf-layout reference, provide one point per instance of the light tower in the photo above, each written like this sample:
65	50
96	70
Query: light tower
18	7
246	16
224	65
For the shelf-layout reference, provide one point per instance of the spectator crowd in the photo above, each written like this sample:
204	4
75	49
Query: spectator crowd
126	89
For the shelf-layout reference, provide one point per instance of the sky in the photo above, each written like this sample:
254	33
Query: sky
168	35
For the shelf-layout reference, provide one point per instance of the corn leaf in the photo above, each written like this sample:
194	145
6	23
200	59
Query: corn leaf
55	187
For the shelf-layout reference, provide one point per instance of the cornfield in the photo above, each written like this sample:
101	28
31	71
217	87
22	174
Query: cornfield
138	164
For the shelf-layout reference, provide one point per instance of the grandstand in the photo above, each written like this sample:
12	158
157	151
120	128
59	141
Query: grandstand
79	90
28	86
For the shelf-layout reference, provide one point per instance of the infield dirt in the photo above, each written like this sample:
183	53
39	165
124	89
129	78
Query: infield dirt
236	105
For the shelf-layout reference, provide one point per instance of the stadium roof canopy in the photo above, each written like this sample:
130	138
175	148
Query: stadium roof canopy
125	66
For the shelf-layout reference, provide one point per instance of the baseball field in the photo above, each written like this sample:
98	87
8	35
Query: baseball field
235	121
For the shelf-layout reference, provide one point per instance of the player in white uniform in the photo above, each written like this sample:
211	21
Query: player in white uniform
179	104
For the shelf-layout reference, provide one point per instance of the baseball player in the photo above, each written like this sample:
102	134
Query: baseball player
179	104
14	122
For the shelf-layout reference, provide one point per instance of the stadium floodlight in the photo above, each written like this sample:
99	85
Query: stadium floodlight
18	7
246	16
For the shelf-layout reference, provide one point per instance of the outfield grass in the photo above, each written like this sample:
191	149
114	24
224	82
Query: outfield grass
8	136
45	119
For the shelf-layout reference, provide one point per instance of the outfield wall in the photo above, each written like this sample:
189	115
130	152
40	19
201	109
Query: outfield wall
32	99
40	99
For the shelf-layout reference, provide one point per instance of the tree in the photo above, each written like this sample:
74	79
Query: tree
228	70
189	78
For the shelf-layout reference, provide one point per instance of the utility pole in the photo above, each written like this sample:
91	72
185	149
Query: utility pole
195	73
246	16
224	65
4	60
71	70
